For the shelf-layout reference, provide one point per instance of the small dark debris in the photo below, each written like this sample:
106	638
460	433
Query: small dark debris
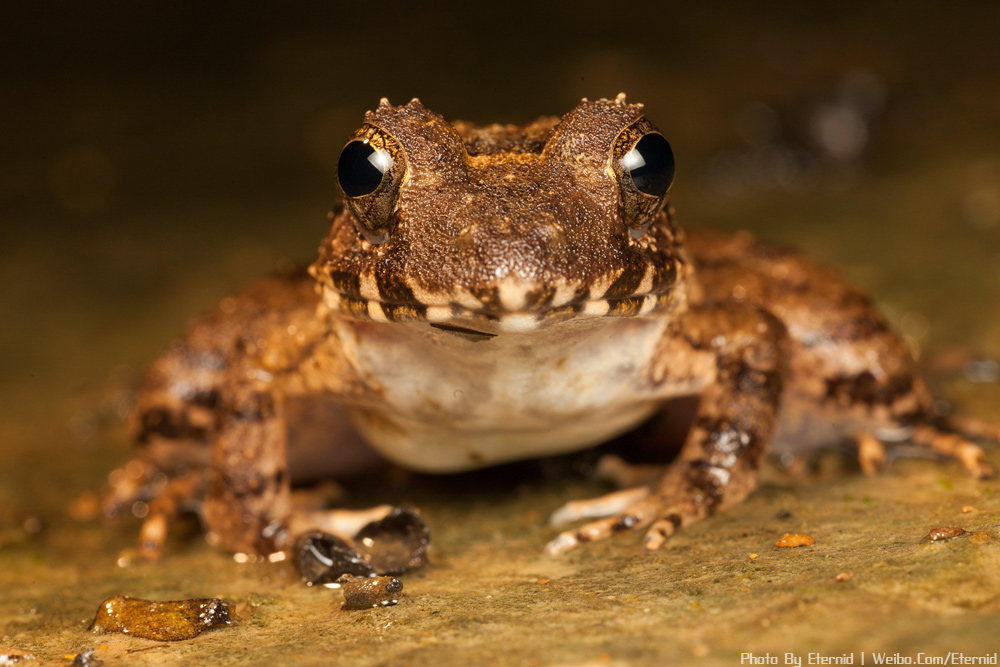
86	659
162	621
322	558
396	543
392	545
944	533
781	515
369	592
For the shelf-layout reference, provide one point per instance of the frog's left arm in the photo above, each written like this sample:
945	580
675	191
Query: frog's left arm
719	463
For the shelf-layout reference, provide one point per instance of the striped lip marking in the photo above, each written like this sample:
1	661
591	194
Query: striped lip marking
597	308
376	312
648	304
564	294
478	321
402	299
600	286
368	287
514	296
647	280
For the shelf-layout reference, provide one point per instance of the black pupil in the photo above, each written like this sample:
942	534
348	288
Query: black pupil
655	172
358	175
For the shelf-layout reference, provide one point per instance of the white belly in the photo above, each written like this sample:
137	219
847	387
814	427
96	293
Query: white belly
449	404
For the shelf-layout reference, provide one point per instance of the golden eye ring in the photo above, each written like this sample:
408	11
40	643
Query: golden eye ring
643	164
370	170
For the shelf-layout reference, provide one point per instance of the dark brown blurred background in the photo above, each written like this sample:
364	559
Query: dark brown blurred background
177	101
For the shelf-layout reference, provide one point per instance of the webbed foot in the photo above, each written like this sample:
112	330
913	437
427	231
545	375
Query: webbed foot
153	497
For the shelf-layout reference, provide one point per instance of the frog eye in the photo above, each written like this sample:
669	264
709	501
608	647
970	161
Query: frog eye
362	167
643	165
370	170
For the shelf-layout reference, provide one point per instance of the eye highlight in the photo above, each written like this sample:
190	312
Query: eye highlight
371	168
643	164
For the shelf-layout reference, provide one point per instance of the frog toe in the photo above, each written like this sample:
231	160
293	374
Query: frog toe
636	515
974	460
955	446
152	535
871	453
150	494
669	519
601	529
659	532
600	507
176	495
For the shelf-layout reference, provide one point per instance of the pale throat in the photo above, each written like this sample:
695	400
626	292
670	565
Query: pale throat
448	403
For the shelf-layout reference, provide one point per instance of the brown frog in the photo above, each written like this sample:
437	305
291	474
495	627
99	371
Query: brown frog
496	293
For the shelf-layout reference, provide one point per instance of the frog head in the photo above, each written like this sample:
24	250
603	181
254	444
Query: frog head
503	228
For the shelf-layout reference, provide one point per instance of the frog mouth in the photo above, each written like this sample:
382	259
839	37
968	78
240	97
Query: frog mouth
485	322
473	335
507	300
